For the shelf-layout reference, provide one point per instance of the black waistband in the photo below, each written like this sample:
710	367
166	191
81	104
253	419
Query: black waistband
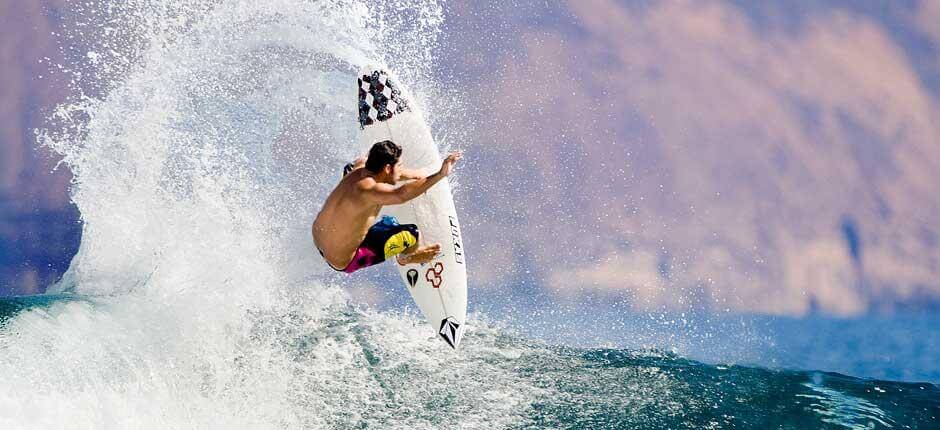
328	261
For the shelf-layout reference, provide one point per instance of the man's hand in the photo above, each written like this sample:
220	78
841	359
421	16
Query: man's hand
448	164
360	162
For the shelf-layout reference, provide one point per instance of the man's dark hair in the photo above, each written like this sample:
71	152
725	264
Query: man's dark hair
382	153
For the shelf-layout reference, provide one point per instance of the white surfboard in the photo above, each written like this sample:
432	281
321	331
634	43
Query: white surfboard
439	288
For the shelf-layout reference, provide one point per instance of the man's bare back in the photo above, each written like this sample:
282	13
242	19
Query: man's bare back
350	211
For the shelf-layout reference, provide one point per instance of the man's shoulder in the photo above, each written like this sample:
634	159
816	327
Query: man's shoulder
362	184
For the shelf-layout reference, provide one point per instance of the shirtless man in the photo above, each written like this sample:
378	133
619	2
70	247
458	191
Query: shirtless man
345	231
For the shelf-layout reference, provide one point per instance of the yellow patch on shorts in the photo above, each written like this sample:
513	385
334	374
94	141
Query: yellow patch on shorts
398	243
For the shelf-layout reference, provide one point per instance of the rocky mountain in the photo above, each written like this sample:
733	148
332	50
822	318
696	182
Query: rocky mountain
770	157
38	227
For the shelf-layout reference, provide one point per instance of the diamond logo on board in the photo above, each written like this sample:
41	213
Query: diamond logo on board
451	332
379	98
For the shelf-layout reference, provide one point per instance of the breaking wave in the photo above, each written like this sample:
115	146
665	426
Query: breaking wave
203	135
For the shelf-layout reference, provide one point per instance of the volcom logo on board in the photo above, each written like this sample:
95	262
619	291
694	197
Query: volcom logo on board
451	332
455	237
412	276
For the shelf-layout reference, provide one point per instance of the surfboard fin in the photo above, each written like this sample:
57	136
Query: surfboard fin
451	332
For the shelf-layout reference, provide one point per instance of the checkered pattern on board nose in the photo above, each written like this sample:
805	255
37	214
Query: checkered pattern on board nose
379	98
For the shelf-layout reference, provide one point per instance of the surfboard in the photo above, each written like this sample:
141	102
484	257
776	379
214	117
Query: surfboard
387	111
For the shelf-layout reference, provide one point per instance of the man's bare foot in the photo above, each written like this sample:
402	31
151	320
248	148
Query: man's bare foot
419	256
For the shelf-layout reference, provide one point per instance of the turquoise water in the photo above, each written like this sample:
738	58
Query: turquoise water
900	347
539	386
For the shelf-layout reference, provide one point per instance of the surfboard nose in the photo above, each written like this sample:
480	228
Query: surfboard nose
451	331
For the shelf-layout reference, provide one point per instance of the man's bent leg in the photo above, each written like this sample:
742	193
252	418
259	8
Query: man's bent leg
402	241
419	255
364	257
385	239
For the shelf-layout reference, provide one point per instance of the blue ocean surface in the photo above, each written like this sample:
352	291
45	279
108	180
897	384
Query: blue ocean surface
903	347
545	385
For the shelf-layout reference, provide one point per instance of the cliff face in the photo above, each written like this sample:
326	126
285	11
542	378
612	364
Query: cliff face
689	154
38	230
30	86
773	158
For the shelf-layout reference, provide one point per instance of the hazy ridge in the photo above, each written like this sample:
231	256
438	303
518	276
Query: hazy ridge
749	158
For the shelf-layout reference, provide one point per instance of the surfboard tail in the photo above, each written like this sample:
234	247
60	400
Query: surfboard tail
451	331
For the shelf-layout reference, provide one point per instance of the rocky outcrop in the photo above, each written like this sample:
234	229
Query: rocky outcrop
777	157
706	154
38	227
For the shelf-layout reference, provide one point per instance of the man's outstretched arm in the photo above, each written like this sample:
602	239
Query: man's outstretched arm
407	174
386	194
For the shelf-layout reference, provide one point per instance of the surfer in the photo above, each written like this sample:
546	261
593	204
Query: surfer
345	231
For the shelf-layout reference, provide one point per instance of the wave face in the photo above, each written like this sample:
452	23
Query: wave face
345	368
203	136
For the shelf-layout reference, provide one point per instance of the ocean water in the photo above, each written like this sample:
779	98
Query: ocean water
342	367
197	131
902	347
